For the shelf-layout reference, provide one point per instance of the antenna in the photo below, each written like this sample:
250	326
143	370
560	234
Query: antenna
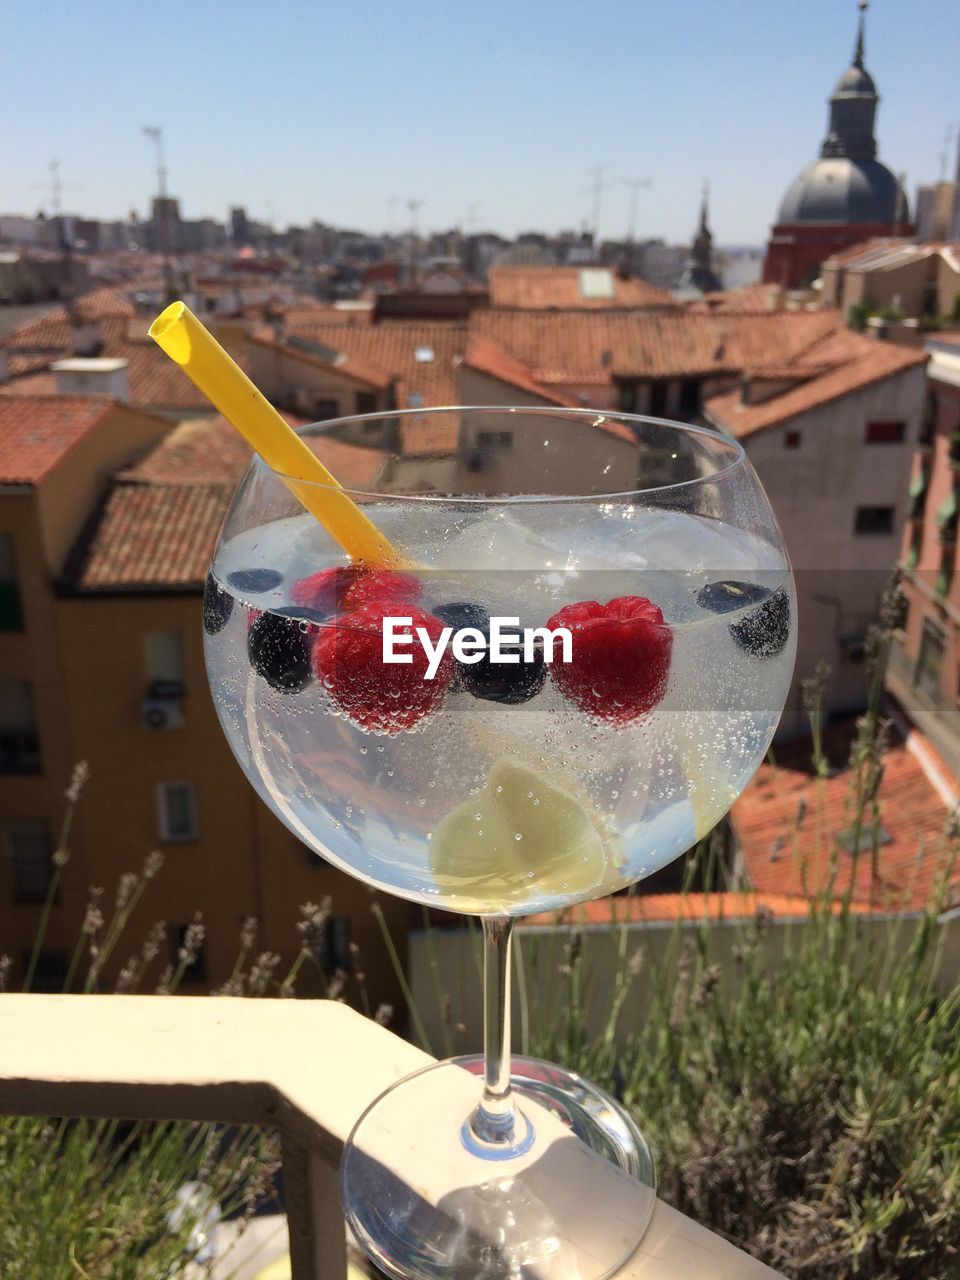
413	206
635	185
949	133
598	188
155	132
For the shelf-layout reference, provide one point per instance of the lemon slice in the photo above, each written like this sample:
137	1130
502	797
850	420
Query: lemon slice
520	839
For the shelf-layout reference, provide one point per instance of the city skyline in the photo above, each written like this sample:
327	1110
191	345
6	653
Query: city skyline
510	151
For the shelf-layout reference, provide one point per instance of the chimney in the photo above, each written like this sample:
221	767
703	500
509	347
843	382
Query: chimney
86	339
4	368
89	376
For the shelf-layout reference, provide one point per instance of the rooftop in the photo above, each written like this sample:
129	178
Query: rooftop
788	821
826	371
594	348
558	288
37	434
157	526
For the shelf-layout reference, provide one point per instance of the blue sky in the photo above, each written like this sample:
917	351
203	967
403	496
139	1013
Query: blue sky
307	108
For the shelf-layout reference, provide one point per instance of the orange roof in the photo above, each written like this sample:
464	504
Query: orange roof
658	908
564	287
38	432
52	329
595	347
751	299
157	527
787	822
873	362
152	537
392	346
487	357
155	381
209	451
344	364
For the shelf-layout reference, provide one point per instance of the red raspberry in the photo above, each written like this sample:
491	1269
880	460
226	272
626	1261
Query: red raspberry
621	657
324	591
372	586
348	660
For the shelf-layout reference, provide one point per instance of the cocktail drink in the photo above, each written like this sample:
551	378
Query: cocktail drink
572	675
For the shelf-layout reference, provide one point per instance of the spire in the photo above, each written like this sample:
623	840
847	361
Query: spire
704	229
853	108
858	51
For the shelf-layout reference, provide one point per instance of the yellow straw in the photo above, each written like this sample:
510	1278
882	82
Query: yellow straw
179	333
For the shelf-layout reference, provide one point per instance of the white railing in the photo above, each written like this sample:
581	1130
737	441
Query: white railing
306	1068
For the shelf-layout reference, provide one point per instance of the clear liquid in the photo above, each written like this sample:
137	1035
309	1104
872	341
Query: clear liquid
490	807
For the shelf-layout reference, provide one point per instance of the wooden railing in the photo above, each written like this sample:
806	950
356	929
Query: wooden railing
306	1068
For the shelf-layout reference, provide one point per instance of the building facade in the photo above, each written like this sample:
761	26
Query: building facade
924	674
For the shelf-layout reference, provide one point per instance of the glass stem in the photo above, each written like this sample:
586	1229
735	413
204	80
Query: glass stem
494	1119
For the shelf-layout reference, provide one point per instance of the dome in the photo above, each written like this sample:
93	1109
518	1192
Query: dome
856	80
839	189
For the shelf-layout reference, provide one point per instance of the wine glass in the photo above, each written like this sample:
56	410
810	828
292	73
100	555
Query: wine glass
512	778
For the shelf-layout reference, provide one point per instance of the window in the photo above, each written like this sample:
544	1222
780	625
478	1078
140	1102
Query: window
367	403
50	975
177	811
196	969
933	646
29	850
657	406
324	409
11	610
494	439
19	744
689	398
627	397
873	521
791	439
165	664
886	432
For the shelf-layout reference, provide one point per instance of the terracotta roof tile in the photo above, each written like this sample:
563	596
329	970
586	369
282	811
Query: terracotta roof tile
595	347
488	357
392	346
781	855
345	364
209	451
752	299
38	432
155	381
559	288
152	537
52	329
873	362
657	908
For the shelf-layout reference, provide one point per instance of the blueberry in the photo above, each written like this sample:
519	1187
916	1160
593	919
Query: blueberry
463	613
255	580
764	631
280	652
217	606
502	681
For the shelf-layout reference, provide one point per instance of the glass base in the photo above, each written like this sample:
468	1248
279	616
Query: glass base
423	1204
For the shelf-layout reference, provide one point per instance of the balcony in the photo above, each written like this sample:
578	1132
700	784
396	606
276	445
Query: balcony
307	1068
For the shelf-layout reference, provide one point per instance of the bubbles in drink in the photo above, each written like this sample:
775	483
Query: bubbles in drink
516	787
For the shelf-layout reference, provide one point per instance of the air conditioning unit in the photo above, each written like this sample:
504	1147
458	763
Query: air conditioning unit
156	713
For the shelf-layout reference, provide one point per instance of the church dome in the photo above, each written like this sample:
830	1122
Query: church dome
839	189
856	80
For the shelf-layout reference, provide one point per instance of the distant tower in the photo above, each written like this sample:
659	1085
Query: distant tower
845	197
698	274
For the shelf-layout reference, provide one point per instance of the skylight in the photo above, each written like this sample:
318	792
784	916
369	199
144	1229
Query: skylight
596	282
423	355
